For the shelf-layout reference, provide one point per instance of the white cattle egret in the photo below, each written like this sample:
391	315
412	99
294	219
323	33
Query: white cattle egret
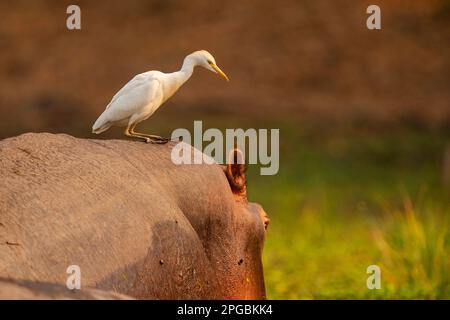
146	92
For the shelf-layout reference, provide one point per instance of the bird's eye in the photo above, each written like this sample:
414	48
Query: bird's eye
209	61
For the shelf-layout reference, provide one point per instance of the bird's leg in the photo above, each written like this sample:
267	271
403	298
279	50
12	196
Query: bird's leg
128	133
156	139
147	138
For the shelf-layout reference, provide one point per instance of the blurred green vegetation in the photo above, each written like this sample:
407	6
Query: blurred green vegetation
344	201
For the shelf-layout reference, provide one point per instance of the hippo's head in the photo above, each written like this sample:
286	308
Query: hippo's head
252	222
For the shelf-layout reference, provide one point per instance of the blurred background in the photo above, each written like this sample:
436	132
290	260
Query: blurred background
364	118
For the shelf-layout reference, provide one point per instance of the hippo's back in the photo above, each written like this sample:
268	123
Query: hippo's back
105	206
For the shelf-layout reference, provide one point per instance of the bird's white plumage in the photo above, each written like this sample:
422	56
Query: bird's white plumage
137	101
146	92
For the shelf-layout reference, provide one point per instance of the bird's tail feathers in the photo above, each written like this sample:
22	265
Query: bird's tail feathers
100	125
101	129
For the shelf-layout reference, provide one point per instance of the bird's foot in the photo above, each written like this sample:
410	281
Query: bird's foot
156	141
162	141
176	139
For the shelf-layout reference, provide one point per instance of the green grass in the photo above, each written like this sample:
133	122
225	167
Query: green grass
343	202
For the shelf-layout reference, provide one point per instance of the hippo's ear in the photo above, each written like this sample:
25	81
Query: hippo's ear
235	172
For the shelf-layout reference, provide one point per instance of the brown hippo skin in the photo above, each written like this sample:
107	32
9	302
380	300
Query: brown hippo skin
134	222
13	289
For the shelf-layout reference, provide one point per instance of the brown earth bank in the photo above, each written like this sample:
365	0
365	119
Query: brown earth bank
313	61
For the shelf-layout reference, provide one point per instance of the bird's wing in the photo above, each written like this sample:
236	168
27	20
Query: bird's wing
133	83
136	100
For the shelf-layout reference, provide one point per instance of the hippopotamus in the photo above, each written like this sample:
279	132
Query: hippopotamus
130	219
14	289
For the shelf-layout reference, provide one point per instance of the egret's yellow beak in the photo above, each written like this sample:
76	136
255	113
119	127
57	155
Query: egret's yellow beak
219	72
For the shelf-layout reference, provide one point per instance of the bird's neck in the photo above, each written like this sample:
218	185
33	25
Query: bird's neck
178	78
185	72
183	75
187	69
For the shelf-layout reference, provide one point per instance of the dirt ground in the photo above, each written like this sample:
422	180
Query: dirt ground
310	61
